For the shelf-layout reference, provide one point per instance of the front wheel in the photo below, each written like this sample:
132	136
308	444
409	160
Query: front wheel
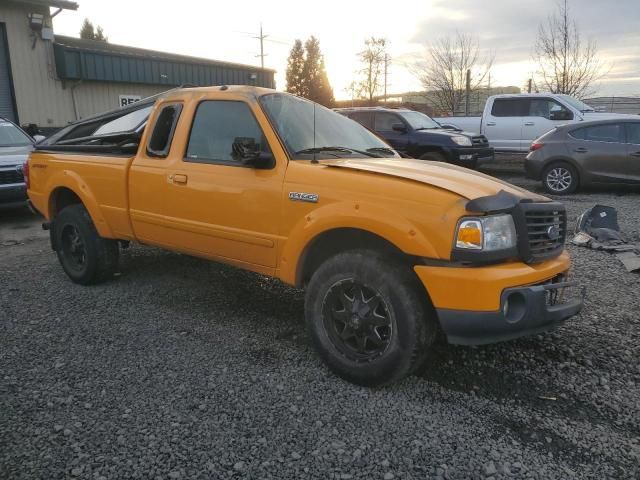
560	179
368	318
85	257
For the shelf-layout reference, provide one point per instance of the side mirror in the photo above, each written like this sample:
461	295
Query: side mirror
561	115
247	151
399	127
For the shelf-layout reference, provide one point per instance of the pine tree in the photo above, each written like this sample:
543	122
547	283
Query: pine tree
314	75
295	65
89	33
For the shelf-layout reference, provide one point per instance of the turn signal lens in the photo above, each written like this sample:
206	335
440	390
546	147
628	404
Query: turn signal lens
469	235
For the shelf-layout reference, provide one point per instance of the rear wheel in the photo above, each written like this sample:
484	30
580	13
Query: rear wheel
560	179
368	318
85	257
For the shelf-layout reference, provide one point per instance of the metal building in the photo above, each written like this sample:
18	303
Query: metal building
51	80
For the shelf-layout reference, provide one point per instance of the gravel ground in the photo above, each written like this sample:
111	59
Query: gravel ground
180	368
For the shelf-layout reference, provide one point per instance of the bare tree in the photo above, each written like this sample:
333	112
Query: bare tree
443	72
567	63
372	58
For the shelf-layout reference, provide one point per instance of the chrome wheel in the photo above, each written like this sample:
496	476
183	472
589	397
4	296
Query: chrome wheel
357	320
559	179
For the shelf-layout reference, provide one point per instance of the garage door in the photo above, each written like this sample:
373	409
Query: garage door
6	88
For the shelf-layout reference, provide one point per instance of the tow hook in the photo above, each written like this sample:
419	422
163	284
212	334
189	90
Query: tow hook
46	225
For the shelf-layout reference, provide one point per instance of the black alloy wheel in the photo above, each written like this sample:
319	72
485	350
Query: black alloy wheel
357	320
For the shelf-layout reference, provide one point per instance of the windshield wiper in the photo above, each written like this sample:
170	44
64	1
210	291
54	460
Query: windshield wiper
382	150
336	149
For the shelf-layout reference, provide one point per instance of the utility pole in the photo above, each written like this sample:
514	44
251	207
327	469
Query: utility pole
529	86
261	37
468	94
386	61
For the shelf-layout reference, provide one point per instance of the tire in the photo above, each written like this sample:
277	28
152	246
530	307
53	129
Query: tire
560	178
85	257
398	327
434	156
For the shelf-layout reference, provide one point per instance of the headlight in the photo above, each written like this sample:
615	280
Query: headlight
462	141
495	232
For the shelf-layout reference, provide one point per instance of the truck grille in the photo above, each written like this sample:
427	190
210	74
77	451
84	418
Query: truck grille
545	229
480	141
10	176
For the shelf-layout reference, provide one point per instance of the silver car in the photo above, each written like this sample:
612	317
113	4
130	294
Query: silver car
586	153
15	147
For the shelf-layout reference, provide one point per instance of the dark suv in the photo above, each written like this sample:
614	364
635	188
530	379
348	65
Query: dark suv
419	136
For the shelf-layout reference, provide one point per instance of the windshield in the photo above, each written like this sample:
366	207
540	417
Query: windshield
293	119
577	104
420	121
11	136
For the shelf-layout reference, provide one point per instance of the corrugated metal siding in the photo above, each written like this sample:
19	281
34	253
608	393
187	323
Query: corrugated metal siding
81	64
39	97
6	86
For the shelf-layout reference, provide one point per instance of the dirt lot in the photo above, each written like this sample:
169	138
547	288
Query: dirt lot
180	368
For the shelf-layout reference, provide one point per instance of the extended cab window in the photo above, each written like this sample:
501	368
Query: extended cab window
165	125
510	107
216	126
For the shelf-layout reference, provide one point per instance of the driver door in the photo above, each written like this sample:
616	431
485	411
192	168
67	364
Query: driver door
383	125
217	206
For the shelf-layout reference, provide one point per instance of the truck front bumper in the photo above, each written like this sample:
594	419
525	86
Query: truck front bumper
523	311
472	157
492	303
13	195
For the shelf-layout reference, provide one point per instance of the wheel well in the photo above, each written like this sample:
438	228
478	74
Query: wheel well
332	242
60	198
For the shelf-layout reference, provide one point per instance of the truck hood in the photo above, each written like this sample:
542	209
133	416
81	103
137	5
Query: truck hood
442	132
14	155
461	181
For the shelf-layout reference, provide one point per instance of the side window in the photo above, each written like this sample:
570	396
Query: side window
549	109
633	133
216	126
611	133
160	141
577	133
363	118
509	107
384	121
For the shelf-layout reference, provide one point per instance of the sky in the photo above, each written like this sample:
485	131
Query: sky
505	29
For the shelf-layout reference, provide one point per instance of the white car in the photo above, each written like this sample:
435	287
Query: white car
512	122
15	147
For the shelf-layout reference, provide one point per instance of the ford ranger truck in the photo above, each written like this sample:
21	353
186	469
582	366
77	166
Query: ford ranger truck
390	251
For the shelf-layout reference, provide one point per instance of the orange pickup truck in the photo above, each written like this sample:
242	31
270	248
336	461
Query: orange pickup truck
391	251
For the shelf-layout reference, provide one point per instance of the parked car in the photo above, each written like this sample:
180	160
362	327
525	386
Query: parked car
511	122
15	146
590	153
418	136
275	184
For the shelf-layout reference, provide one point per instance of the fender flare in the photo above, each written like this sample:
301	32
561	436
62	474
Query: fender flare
401	233
72	181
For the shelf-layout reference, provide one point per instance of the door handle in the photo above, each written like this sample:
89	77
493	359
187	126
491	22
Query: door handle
491	124
178	178
580	150
529	124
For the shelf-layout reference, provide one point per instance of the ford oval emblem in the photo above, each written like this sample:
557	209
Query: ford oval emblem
553	232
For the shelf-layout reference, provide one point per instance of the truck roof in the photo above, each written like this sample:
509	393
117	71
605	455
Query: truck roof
237	89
